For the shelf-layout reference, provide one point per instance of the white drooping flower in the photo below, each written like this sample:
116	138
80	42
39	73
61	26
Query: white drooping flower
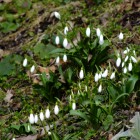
125	51
130	66
118	62
32	69
25	61
66	30
81	74
31	118
36	118
86	88
96	78
126	58
57	40
13	139
88	32
49	133
98	32
125	70
101	40
57	15
133	59
100	75
121	36
41	116
65	43
112	75
58	60
105	73
73	105
122	64
47	113
56	109
100	88
65	58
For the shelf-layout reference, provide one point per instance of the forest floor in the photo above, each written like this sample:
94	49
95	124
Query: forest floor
28	30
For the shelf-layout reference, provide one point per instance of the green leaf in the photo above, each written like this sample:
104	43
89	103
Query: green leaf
130	84
80	114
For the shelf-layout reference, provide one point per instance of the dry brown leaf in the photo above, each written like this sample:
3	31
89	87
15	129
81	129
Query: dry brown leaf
7	1
8	97
47	69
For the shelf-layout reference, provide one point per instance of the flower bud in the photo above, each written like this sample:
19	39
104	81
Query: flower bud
32	69
125	70
130	66
66	30
118	62
65	43
36	118
100	88
13	139
134	59
25	62
112	75
96	78
41	116
57	15
56	109
31	118
73	105
49	133
81	74
57	40
121	36
65	58
125	51
58	60
122	64
101	40
47	113
126	58
105	73
88	32
98	32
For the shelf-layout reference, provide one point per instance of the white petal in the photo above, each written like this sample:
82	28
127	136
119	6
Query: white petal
88	32
101	40
134	59
25	62
56	109
57	40
120	36
36	118
100	88
112	75
31	119
126	58
98	32
32	69
58	60
57	15
130	66
96	78
66	30
73	105
118	62
65	43
81	74
41	115
105	73
122	64
65	58
125	70
47	113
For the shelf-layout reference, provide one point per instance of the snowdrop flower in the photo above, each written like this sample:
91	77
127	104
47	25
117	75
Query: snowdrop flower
133	59
112	75
125	51
125	70
121	36
105	73
57	40
36	118
65	58
130	66
41	116
100	88
126	58
31	118
25	62
28	128
88	32
66	30
81	74
47	113
101	40
58	60
57	15
56	109
96	78
122	64
13	139
65	43
118	62
98	32
49	133
73	105
100	75
32	69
